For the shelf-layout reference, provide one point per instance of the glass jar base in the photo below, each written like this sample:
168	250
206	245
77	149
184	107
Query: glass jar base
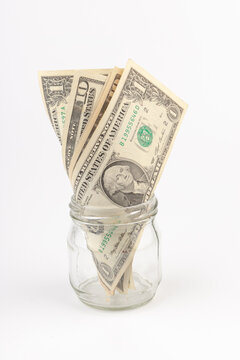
92	293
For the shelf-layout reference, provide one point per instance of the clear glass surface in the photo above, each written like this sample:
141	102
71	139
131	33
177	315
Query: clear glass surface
146	265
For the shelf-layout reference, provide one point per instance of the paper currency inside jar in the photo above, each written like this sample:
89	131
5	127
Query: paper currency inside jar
117	127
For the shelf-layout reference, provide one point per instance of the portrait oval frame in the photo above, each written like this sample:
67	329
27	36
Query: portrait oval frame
136	169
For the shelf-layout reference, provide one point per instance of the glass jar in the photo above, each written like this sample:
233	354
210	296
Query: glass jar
114	254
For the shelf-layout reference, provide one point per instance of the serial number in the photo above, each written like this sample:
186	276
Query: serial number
129	126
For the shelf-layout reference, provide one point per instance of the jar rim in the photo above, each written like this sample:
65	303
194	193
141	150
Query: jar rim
90	214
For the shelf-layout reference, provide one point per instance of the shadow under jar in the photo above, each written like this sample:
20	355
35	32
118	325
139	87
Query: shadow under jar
114	254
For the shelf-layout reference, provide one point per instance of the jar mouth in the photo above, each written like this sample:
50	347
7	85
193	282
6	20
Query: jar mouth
90	214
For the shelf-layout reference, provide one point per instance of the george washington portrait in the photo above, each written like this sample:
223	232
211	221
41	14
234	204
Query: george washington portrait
125	183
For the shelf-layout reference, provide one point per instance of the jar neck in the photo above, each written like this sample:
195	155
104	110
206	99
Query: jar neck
115	214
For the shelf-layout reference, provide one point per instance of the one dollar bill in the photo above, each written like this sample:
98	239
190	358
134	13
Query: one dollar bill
123	161
56	87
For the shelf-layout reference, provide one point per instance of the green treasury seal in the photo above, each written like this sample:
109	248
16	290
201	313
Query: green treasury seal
145	136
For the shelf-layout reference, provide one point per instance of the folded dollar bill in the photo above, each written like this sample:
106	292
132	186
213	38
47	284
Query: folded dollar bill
117	128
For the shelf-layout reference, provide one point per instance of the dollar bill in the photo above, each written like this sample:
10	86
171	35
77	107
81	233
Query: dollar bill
56	88
126	281
59	90
86	89
93	121
123	161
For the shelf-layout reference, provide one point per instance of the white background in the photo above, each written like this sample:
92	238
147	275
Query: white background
191	47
